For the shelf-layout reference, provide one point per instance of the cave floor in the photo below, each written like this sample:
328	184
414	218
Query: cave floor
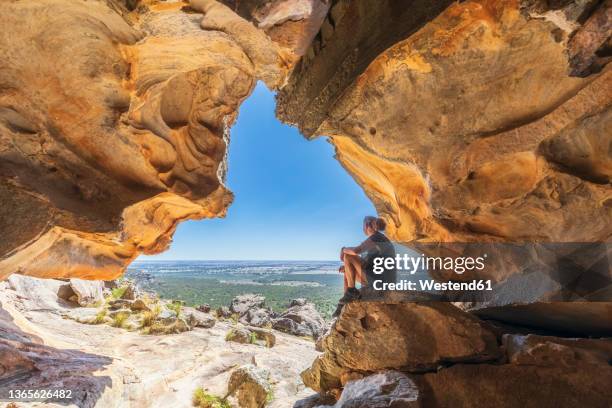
147	370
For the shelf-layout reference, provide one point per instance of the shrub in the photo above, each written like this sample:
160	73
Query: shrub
229	335
269	396
99	319
118	292
175	307
148	318
253	338
202	399
120	318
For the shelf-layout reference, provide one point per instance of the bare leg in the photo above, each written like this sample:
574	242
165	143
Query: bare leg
358	271
352	271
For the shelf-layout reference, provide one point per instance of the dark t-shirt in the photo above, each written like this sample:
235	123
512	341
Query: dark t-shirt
377	246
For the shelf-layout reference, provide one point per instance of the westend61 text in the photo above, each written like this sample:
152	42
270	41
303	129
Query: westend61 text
430	284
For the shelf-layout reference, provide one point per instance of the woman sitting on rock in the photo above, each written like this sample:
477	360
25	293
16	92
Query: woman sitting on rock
359	260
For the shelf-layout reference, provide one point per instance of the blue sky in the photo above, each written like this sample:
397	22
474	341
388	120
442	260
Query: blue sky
293	200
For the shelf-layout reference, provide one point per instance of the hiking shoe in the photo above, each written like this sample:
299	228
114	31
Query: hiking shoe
350	295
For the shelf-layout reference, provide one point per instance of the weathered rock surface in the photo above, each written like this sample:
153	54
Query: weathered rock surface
114	126
196	318
370	337
291	23
251	386
575	318
263	336
388	389
258	316
243	303
239	335
300	319
314	401
553	351
111	367
462	120
518	386
87	292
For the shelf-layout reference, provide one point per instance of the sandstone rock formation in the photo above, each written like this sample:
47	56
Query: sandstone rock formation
462	120
472	121
372	336
448	358
385	389
114	126
87	292
477	121
250	385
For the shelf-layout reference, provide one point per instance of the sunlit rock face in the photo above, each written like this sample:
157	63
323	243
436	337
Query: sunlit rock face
466	121
114	126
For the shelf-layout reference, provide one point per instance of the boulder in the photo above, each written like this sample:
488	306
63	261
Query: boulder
88	292
204	308
266	336
129	293
374	336
167	316
313	401
298	302
387	389
39	294
66	293
116	304
258	317
139	305
250	385
239	335
243	303
198	319
300	319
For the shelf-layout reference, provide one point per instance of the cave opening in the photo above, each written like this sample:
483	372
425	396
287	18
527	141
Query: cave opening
292	198
294	208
